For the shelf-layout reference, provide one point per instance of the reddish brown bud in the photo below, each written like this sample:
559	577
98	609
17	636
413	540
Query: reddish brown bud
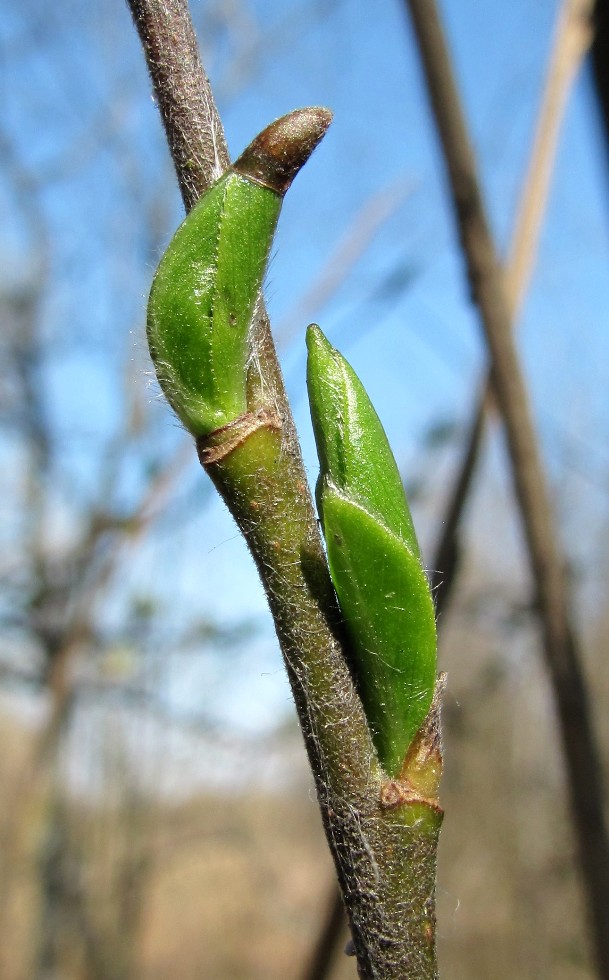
279	151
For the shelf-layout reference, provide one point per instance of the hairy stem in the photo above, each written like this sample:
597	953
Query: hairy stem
561	646
383	838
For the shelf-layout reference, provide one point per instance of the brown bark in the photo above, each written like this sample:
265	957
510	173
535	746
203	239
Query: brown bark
383	844
561	646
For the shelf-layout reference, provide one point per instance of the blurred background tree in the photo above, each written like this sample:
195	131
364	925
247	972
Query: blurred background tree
139	670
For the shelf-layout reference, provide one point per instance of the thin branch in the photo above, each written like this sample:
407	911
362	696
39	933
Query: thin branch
447	556
384	846
326	946
80	628
600	66
194	132
563	659
571	40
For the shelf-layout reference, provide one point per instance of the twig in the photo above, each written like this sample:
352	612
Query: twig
385	859
600	65
447	555
192	124
561	647
326	946
571	40
80	628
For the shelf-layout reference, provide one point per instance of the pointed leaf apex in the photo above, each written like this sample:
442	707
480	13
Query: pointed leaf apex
279	151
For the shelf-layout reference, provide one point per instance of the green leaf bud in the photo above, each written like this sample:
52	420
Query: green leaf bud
210	278
373	555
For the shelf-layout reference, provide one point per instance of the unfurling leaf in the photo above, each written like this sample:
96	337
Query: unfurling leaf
373	555
209	280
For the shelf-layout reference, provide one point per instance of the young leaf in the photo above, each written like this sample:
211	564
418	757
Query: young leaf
208	281
202	300
373	555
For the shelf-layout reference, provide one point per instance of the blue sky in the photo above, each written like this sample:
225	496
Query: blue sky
80	118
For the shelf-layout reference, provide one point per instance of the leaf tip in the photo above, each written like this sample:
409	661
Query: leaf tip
276	155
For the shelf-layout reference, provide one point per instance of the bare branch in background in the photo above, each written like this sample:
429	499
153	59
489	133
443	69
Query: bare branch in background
563	658
570	43
600	64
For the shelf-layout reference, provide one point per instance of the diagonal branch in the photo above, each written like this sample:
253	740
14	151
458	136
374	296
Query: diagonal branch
600	66
383	844
571	41
560	642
